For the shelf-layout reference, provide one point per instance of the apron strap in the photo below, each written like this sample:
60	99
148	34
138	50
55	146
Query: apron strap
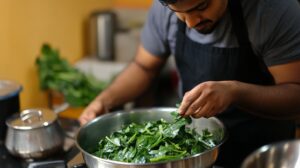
238	22
241	30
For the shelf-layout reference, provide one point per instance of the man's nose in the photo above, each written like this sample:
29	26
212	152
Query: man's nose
191	21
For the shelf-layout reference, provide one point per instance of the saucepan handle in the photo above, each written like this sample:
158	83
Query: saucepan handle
80	165
45	164
31	115
62	107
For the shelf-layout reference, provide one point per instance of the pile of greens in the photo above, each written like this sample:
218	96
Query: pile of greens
55	73
156	141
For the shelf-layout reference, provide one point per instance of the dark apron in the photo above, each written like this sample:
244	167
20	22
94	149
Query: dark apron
199	63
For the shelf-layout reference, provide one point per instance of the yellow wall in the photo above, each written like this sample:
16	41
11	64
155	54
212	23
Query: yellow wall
133	3
26	24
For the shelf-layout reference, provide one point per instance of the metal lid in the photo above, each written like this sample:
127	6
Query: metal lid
9	89
32	118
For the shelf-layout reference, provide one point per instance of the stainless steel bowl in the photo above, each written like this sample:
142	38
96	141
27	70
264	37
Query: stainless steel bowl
90	134
284	154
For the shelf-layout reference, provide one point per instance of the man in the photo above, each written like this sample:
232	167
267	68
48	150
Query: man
238	60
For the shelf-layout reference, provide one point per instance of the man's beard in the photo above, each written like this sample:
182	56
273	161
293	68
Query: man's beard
207	29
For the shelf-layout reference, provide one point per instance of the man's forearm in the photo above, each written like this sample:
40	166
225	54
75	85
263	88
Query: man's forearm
131	83
280	101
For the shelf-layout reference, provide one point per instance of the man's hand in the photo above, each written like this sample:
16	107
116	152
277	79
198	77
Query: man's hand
208	99
92	110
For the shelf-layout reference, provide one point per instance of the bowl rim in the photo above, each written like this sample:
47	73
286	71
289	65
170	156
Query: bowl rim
167	109
265	148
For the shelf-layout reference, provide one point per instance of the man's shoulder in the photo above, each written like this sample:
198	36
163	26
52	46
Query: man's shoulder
265	15
273	27
255	7
159	11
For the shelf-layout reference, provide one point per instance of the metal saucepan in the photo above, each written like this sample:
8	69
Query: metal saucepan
89	135
277	155
34	134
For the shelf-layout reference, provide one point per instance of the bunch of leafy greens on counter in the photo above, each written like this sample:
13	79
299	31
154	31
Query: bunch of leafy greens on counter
55	73
156	141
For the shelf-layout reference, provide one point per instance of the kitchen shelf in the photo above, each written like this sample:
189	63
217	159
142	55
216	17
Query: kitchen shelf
102	70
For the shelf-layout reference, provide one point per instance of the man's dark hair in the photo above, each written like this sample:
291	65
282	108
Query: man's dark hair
166	2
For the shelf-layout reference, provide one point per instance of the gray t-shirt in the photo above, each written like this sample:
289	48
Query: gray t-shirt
273	26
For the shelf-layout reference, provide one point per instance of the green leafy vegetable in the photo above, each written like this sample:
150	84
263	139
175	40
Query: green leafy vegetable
55	73
155	141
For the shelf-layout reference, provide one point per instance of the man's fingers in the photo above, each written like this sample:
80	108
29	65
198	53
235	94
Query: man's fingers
88	114
187	101
82	121
195	99
203	111
195	106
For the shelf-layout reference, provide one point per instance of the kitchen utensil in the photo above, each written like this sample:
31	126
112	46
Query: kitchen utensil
34	133
9	103
102	35
277	155
89	135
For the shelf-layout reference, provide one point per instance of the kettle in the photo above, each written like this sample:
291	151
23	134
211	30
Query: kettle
102	28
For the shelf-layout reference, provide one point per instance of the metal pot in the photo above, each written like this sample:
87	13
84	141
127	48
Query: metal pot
9	103
102	31
34	134
89	135
277	155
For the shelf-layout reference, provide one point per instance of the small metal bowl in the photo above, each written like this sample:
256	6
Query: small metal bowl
277	155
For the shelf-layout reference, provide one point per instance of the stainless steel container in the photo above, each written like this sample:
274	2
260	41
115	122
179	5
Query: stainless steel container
90	134
284	154
34	134
102	28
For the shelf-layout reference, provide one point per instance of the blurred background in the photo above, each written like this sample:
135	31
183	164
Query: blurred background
66	26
